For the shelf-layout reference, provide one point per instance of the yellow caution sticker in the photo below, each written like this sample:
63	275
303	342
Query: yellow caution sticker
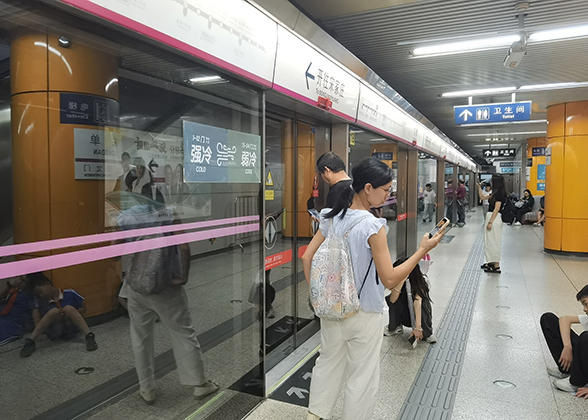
269	195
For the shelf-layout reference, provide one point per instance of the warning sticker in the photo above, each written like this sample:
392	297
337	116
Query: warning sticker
269	181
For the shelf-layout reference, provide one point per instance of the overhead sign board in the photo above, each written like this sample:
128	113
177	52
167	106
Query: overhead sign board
213	154
538	151
383	155
493	153
306	74
491	113
510	164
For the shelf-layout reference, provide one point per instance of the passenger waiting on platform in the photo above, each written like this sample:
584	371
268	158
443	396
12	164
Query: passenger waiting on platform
332	170
569	350
460	195
17	307
402	309
350	347
430	203
485	205
524	205
541	213
449	197
493	230
61	314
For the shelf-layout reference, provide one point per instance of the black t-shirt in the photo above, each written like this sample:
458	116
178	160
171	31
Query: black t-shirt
499	196
335	191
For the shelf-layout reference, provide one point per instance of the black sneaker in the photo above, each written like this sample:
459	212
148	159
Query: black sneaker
91	342
28	349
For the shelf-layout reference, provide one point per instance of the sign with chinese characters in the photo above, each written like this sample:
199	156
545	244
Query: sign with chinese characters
541	186
538	151
91	153
493	153
305	74
230	34
214	154
541	172
491	113
509	170
75	108
383	155
529	162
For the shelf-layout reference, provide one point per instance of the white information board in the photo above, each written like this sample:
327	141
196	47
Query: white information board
305	74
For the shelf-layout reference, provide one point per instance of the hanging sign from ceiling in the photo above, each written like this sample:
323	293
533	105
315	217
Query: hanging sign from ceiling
490	153
492	113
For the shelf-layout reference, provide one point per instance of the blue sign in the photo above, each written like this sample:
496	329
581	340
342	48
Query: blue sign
383	155
509	170
76	108
213	154
541	186
538	151
541	172
491	113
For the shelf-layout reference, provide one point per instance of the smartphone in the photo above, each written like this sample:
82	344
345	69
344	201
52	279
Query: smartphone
412	340
314	213
438	227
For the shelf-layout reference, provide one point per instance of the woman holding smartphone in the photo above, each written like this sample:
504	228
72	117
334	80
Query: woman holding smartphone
350	347
493	230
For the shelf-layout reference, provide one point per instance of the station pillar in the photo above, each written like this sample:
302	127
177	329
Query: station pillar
566	224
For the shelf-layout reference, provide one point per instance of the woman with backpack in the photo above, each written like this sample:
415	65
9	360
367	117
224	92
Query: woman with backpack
493	232
350	347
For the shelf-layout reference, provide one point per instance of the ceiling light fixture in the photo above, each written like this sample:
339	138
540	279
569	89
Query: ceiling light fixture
506	123
514	89
466	46
205	79
506	134
561	33
478	92
554	86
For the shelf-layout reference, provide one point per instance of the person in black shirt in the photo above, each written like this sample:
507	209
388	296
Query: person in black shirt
332	170
493	231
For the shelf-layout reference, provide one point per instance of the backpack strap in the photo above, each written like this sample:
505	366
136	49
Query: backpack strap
346	234
365	278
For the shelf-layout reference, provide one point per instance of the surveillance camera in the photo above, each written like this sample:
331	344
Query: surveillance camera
515	55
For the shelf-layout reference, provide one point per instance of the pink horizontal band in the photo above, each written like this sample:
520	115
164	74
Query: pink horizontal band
52	262
113	236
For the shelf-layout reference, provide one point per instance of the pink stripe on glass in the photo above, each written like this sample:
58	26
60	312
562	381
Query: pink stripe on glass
69	259
107	237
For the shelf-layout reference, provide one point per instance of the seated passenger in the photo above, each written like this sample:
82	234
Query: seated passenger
400	312
524	205
541	213
61	313
569	350
16	310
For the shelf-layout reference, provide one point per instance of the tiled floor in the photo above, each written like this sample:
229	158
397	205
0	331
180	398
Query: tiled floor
532	283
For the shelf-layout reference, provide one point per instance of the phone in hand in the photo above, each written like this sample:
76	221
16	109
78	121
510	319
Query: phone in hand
443	222
314	213
412	340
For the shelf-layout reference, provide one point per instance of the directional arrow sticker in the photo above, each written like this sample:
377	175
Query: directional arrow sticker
465	114
308	75
298	391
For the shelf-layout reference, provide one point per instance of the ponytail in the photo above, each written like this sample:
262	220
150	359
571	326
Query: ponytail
344	200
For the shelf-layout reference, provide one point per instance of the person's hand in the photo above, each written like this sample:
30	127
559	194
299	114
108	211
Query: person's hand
565	360
428	244
582	393
418	334
489	226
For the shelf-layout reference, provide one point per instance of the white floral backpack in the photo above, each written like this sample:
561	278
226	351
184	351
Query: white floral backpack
333	294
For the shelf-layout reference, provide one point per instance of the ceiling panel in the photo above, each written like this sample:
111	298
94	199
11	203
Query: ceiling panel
383	38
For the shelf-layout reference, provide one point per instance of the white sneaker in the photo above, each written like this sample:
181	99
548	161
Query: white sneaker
148	396
201	391
517	223
553	371
565	385
431	339
399	330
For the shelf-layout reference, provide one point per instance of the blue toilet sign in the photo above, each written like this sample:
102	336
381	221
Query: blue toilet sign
491	113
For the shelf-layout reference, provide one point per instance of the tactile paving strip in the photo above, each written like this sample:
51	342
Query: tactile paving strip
433	391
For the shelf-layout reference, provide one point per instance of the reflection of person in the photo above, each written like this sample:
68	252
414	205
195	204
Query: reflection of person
124	182
569	350
155	289
524	205
180	188
460	195
351	347
144	183
399	314
449	196
430	198
17	309
493	231
62	315
167	187
541	213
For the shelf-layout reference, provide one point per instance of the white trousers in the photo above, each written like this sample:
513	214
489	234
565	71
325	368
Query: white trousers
171	305
349	347
493	239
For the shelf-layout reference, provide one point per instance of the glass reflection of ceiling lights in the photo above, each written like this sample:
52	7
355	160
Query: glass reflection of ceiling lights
514	89
207	79
378	140
519	133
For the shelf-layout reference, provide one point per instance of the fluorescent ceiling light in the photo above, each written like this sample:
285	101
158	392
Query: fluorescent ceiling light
485	146
506	134
554	86
505	123
205	79
562	33
464	46
478	92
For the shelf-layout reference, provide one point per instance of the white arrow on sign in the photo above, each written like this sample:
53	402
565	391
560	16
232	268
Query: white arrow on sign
307	375
298	391
465	114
